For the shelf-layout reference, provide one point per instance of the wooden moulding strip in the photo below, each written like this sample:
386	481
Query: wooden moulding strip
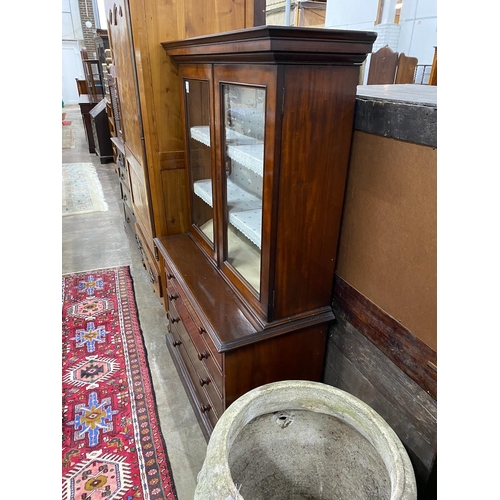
403	348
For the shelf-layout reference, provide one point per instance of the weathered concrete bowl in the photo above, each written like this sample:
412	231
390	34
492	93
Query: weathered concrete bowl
304	440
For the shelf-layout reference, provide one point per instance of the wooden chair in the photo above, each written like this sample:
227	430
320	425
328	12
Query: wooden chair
405	72
383	64
433	79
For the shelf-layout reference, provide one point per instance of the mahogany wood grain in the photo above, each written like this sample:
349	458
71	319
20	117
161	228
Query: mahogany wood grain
275	44
244	339
312	183
298	355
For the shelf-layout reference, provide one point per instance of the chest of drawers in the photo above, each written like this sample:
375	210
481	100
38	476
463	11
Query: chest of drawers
219	352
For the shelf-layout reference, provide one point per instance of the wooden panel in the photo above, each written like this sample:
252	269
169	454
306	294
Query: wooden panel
279	358
124	66
174	197
406	351
310	180
153	22
357	366
139	194
382	68
406	69
169	160
388	240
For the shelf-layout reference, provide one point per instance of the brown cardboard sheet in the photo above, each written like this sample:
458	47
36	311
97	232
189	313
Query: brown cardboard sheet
387	247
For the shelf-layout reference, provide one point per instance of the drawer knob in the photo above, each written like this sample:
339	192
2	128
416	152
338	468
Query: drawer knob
201	330
203	355
205	381
205	408
175	320
173	296
176	343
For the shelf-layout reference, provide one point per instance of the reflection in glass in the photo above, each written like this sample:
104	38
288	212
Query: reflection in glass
244	117
198	112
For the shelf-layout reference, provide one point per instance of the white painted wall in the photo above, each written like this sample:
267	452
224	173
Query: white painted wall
351	14
416	34
418	23
71	61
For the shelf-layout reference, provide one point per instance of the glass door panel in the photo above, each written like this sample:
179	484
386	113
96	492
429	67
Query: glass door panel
244	120
197	94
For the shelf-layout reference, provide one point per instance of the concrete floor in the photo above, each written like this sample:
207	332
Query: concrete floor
98	240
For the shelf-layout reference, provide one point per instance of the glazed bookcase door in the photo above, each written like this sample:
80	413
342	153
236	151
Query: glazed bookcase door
197	92
245	108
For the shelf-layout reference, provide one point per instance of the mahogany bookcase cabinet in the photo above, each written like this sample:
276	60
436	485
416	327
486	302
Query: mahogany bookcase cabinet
268	118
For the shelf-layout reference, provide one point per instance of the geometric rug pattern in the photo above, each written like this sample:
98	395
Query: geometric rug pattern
81	189
112	446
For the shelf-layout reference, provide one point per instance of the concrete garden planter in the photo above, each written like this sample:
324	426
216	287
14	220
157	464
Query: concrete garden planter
304	440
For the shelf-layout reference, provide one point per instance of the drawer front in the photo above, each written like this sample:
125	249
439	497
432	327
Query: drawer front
202	379
129	219
179	315
202	403
148	262
123	173
126	195
170	278
195	325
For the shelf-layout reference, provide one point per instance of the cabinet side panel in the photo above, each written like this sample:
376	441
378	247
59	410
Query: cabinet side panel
316	138
297	355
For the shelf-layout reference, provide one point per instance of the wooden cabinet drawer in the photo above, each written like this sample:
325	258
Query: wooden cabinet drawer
169	278
148	262
126	195
202	400
194	325
128	215
179	315
123	173
203	380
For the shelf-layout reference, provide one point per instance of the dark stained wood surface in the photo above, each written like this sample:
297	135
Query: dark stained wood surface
229	324
310	78
87	102
406	351
276	44
214	301
312	183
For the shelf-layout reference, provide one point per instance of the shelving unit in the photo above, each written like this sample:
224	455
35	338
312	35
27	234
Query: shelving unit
248	288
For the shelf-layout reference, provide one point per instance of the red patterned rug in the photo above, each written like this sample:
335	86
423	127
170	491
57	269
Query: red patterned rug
112	444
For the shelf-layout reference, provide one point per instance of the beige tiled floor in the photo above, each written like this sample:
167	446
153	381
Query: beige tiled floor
97	240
